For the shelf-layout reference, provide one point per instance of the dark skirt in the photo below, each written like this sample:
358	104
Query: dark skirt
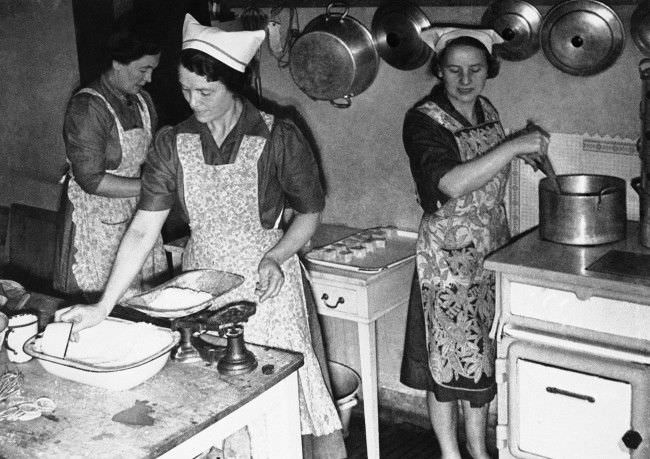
415	371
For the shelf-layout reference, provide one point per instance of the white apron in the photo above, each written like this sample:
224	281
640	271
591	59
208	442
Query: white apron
226	234
100	222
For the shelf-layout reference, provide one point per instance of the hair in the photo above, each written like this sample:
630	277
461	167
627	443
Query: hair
130	40
212	69
493	63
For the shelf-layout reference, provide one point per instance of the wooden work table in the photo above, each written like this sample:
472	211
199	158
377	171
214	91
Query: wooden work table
191	406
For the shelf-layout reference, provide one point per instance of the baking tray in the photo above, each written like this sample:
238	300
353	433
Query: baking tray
211	281
399	248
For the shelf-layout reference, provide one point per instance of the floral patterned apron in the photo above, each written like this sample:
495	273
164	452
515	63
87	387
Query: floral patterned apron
226	234
457	292
100	222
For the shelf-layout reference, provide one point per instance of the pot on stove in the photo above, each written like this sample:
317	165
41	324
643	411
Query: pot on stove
589	210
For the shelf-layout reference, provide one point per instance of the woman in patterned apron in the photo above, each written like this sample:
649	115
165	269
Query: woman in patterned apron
460	161
107	131
234	169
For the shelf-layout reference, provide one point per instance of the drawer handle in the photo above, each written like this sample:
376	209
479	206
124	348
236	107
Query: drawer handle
555	390
326	297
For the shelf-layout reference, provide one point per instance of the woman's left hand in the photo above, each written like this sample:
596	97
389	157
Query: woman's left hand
270	280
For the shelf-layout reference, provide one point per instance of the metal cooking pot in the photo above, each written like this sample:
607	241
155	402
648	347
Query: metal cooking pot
518	23
591	209
396	28
582	37
640	27
334	57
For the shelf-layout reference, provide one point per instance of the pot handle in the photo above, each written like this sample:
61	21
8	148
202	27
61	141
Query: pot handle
332	5
346	104
603	192
636	184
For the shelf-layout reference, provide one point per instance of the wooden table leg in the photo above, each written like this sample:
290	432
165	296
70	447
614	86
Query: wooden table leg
368	355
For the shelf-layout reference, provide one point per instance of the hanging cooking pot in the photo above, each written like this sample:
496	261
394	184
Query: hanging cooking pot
640	27
334	58
518	23
396	28
582	37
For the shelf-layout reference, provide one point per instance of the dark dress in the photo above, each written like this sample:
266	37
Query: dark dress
447	349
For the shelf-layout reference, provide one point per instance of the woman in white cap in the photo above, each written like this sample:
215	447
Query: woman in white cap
235	170
107	130
460	161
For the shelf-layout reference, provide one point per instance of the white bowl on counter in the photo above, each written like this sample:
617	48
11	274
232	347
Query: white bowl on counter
116	354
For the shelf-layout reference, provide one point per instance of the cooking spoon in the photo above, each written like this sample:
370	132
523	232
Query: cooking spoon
544	162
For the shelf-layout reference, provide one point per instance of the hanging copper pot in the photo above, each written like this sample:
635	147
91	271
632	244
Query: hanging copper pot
640	27
582	37
518	23
396	28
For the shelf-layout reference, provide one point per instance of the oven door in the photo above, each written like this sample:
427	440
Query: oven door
567	402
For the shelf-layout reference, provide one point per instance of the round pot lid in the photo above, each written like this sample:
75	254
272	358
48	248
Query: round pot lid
518	23
640	27
396	28
582	37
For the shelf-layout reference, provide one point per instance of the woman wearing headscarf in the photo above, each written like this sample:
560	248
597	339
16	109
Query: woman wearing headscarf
460	160
236	170
107	131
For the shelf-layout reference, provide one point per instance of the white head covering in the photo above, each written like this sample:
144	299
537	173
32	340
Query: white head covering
235	49
438	37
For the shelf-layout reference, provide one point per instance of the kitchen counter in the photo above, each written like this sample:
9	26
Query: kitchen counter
183	400
530	257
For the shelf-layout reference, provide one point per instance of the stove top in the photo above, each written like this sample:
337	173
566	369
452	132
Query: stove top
622	263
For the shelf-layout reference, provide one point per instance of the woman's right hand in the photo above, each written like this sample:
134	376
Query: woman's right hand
81	316
530	147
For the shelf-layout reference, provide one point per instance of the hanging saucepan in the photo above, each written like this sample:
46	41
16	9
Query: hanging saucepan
334	58
396	28
640	27
582	37
518	23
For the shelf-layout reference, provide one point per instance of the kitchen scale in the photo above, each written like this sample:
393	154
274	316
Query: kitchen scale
198	344
194	321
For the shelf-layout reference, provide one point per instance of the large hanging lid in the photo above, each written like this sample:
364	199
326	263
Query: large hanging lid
396	28
640	27
518	23
582	37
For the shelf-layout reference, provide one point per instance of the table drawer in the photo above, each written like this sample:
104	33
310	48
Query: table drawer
593	313
337	297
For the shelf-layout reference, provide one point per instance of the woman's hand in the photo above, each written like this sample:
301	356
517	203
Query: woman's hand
81	316
532	144
271	279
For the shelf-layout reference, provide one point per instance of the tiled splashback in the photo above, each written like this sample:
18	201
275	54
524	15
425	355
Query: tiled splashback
573	154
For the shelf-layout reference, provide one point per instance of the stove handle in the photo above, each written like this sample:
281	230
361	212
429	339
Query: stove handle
555	390
632	439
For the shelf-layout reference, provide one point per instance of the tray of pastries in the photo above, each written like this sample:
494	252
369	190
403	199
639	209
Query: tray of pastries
369	250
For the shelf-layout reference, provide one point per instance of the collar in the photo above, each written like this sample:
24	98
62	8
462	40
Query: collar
439	96
128	100
250	123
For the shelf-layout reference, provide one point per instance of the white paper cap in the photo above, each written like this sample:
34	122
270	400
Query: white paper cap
235	49
438	37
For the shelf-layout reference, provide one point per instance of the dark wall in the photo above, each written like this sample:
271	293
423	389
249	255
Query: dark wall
93	22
